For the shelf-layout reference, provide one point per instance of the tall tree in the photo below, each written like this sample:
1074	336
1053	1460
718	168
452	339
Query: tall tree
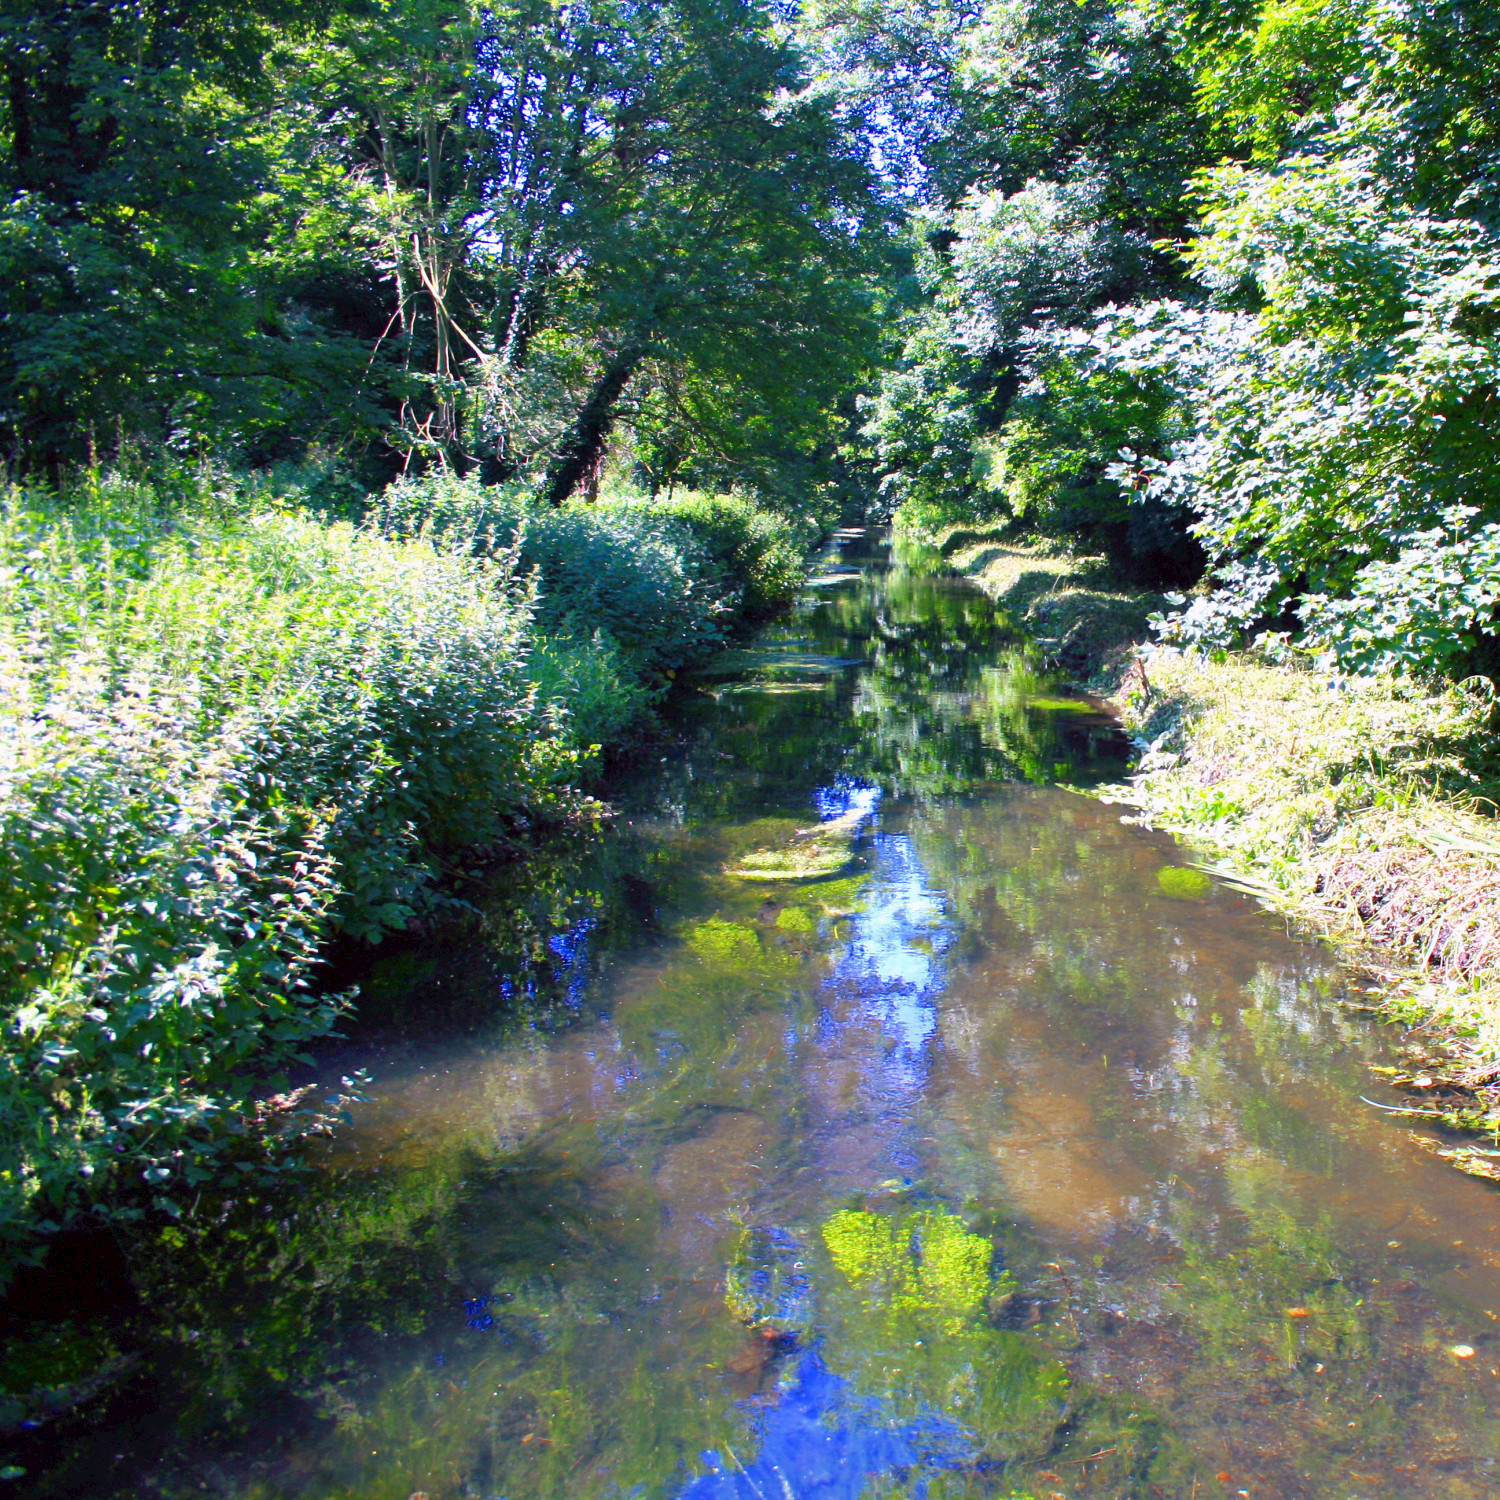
129	176
559	197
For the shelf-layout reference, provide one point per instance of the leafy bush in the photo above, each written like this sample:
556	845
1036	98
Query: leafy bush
665	582
759	558
1428	607
220	736
1322	440
227	728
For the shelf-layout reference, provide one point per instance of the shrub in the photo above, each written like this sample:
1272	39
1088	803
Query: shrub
1335	444
759	558
1432	606
666	582
217	737
227	727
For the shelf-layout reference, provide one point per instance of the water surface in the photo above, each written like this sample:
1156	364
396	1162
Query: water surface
1007	1156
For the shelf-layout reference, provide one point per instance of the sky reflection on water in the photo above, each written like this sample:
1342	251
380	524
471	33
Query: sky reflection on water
823	1441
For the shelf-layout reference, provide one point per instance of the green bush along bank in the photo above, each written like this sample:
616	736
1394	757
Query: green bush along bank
665	581
229	728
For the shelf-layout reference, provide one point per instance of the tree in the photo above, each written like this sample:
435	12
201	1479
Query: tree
1052	140
730	256
130	176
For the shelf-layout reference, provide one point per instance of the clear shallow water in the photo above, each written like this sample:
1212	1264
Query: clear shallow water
984	1164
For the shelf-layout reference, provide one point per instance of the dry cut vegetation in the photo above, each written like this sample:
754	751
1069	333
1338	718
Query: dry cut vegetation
1361	804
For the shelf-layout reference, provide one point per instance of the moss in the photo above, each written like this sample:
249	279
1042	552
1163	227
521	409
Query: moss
1062	705
925	1262
1183	884
806	861
797	919
922	1283
808	854
724	944
839	898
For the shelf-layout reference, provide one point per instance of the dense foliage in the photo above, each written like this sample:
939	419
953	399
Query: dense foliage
1212	288
229	729
1217	288
665	581
431	232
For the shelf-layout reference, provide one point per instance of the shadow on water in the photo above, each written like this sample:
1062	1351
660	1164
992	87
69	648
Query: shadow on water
869	1114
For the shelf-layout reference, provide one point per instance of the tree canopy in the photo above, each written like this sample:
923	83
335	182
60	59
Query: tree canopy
428	230
1213	286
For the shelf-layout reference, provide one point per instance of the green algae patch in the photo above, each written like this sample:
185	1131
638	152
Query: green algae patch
1061	706
1183	884
840	898
797	919
808	861
810	854
925	1262
725	943
908	1309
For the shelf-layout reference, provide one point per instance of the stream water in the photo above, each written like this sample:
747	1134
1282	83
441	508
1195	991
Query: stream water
1001	1153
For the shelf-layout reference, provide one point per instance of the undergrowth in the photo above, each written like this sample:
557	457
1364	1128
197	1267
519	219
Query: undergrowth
667	582
1364	803
229	727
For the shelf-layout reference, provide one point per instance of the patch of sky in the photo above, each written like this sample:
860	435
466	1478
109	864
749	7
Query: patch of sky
570	948
894	958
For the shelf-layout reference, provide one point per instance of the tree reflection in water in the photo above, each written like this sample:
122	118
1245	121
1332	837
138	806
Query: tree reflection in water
990	1164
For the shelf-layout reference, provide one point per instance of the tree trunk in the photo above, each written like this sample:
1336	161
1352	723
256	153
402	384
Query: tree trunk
579	453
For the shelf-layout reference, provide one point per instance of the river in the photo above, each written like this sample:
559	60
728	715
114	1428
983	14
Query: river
873	1112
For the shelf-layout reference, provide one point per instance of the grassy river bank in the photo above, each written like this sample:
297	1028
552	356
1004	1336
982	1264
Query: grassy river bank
235	727
1361	808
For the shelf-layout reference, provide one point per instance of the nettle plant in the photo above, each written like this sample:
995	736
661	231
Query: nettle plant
155	937
220	739
598	570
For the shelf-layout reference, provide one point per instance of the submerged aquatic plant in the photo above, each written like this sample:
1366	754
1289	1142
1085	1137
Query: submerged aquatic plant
909	1308
1184	884
810	854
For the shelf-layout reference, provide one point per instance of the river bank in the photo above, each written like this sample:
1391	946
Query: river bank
1014	1157
1359	808
236	729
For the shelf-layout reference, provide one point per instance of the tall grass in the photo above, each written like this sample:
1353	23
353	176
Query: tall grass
228	727
1364	805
